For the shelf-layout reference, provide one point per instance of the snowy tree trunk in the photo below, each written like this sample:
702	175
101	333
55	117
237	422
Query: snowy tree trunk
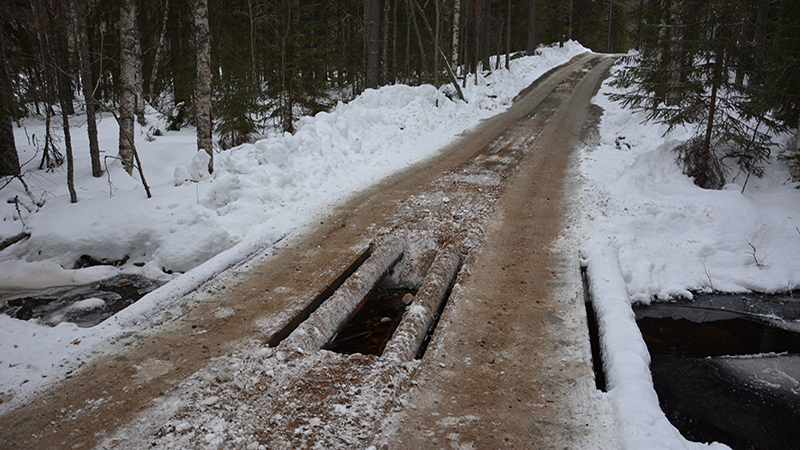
203	87
486	27
423	59
456	25
65	95
138	105
703	178
87	83
58	36
438	18
73	196
159	52
394	43
610	16
9	159
127	98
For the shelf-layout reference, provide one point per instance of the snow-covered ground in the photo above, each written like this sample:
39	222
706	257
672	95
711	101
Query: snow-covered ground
258	194
649	232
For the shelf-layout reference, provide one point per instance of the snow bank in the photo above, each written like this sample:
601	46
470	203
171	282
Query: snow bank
675	237
626	360
198	225
651	233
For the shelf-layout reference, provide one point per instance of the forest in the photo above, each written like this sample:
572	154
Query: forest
236	69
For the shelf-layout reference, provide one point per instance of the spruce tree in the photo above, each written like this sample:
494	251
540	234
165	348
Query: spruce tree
683	74
298	83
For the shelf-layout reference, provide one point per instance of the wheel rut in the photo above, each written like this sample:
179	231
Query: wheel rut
224	366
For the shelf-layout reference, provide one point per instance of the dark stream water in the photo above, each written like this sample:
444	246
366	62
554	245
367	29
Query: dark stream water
370	328
85	306
727	368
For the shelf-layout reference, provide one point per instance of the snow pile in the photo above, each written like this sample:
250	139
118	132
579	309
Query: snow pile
675	237
200	225
651	233
626	360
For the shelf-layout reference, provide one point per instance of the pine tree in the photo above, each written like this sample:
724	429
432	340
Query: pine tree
236	105
777	51
9	160
682	75
298	83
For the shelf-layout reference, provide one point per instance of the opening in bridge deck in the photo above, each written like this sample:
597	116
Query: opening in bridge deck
373	324
319	299
594	336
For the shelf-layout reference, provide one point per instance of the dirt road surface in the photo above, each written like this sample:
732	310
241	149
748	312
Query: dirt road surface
508	365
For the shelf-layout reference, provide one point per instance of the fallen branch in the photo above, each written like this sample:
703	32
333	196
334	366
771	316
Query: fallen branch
755	256
710	283
8	242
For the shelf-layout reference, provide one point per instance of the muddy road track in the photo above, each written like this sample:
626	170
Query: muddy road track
507	367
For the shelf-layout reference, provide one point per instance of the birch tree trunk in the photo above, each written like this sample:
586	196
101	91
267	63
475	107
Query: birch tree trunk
203	86
87	83
159	52
438	18
127	98
456	25
138	104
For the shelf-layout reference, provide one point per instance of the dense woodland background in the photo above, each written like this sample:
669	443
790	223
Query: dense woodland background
236	69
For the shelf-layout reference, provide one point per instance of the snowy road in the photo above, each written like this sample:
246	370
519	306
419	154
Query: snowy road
509	364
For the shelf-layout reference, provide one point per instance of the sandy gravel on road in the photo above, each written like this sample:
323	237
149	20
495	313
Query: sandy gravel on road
508	367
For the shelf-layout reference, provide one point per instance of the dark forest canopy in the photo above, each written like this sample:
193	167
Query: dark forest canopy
728	68
272	60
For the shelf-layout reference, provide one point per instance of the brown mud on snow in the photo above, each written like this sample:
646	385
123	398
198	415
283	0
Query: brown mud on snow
508	366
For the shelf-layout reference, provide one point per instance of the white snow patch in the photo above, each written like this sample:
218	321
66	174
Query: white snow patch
198	224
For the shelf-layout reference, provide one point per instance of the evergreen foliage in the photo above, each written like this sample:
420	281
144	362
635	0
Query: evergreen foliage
695	66
297	84
236	107
271	60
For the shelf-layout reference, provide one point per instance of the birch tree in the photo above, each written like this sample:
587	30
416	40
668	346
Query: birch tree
203	86
456	25
127	98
